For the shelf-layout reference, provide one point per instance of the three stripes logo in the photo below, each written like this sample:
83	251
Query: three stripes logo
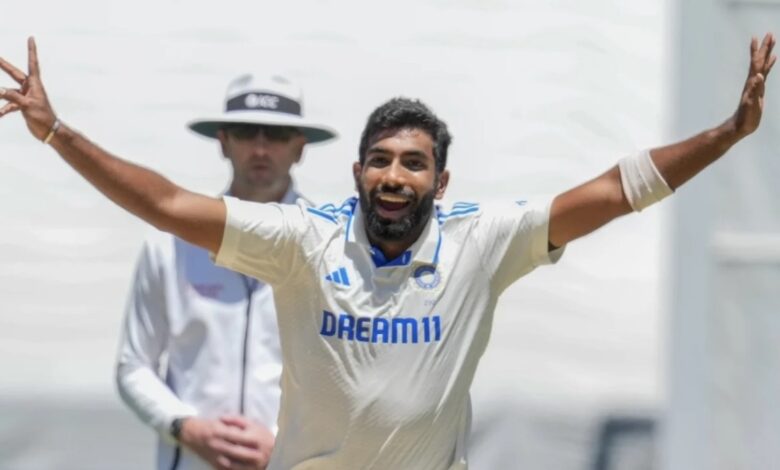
338	276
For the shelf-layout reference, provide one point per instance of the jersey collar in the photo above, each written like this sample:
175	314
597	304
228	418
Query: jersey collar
424	251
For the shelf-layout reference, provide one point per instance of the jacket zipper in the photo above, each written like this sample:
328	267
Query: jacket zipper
176	458
249	292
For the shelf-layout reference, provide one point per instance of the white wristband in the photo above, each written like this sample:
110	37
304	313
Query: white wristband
643	184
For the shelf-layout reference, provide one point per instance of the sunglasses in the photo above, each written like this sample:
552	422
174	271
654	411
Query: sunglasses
251	131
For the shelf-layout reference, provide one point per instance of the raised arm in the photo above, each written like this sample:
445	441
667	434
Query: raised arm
587	207
193	217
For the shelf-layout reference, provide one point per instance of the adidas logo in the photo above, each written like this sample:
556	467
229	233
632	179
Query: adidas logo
338	276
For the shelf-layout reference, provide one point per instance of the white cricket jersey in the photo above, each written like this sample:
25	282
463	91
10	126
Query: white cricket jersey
379	355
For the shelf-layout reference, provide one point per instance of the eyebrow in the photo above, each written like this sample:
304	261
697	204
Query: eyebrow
408	153
379	150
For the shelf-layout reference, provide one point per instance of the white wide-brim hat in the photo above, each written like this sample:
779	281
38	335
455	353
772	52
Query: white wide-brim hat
273	101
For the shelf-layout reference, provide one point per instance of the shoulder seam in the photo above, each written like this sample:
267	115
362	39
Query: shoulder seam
459	209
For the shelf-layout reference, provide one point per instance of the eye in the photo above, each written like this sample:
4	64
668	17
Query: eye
378	160
415	164
280	133
243	132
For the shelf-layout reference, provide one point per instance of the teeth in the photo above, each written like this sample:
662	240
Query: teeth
392	198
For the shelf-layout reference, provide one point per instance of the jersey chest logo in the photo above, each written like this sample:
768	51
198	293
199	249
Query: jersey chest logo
427	277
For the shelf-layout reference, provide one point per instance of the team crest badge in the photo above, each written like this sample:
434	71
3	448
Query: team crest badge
427	277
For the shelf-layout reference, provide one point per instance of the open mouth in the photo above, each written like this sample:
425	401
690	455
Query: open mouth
392	206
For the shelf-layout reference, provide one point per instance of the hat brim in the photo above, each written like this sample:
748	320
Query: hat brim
314	133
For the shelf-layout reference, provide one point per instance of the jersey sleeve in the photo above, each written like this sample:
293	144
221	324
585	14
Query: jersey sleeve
514	239
262	240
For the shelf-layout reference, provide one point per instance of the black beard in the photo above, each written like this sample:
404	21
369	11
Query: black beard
380	228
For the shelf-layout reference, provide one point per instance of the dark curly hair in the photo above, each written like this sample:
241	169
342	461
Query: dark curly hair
404	113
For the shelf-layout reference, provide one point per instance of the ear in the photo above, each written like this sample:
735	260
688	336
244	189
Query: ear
299	142
444	179
223	139
357	169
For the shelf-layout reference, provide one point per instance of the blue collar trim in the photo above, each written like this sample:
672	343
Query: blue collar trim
381	262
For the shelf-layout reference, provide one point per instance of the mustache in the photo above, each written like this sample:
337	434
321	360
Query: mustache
398	191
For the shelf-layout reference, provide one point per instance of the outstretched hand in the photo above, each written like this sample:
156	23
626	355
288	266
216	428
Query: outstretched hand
30	98
748	115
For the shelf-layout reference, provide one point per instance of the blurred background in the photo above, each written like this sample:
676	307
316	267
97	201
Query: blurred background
653	344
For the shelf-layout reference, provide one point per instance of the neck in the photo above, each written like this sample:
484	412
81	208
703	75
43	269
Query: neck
272	193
